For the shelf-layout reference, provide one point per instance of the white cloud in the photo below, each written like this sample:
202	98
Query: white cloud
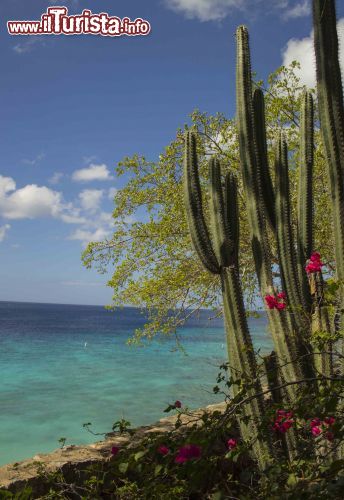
301	9
34	161
215	10
7	184
28	44
86	236
205	10
3	231
90	199
56	177
112	193
302	50
92	173
32	201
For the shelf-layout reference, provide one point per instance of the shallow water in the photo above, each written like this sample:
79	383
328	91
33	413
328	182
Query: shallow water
62	366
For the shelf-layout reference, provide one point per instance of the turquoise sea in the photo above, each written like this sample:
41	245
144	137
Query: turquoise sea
63	365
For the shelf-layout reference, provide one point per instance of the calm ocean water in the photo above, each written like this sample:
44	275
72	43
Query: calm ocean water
63	365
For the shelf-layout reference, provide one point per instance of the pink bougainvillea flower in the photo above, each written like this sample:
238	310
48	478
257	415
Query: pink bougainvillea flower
315	422
163	450
232	443
315	257
283	413
316	430
329	436
188	452
273	303
315	264
313	267
270	301
329	420
178	404
284	421
114	450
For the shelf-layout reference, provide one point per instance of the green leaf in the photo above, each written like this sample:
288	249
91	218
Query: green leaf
216	496
336	466
292	480
139	455
157	470
123	467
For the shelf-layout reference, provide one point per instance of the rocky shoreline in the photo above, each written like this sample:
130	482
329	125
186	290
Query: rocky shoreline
73	460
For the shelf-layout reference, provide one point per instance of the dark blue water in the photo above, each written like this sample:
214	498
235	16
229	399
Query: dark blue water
63	365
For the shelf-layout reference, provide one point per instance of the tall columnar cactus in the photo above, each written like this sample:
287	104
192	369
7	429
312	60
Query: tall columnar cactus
270	216
331	110
305	195
289	331
219	255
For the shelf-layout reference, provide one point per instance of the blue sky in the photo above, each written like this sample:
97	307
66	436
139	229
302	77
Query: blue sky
73	107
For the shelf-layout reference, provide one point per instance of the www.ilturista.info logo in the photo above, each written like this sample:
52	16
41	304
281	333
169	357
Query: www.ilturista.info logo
56	21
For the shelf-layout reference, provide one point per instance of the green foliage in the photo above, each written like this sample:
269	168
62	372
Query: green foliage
148	243
141	471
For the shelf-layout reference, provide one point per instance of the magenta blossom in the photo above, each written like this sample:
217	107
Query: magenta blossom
163	450
114	450
329	436
315	422
329	421
314	265
188	452
232	443
316	430
274	303
178	404
284	421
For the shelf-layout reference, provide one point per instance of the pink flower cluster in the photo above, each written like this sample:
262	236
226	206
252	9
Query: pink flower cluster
232	443
314	264
188	452
284	421
318	427
276	303
163	450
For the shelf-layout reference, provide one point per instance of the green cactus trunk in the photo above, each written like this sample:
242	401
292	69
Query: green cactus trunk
220	256
287	342
305	195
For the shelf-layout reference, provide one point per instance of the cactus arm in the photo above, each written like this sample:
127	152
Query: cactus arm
194	210
331	110
305	194
321	323
286	345
285	240
240	351
262	152
223	246
232	214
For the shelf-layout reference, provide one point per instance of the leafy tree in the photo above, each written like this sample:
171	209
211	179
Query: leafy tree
154	265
